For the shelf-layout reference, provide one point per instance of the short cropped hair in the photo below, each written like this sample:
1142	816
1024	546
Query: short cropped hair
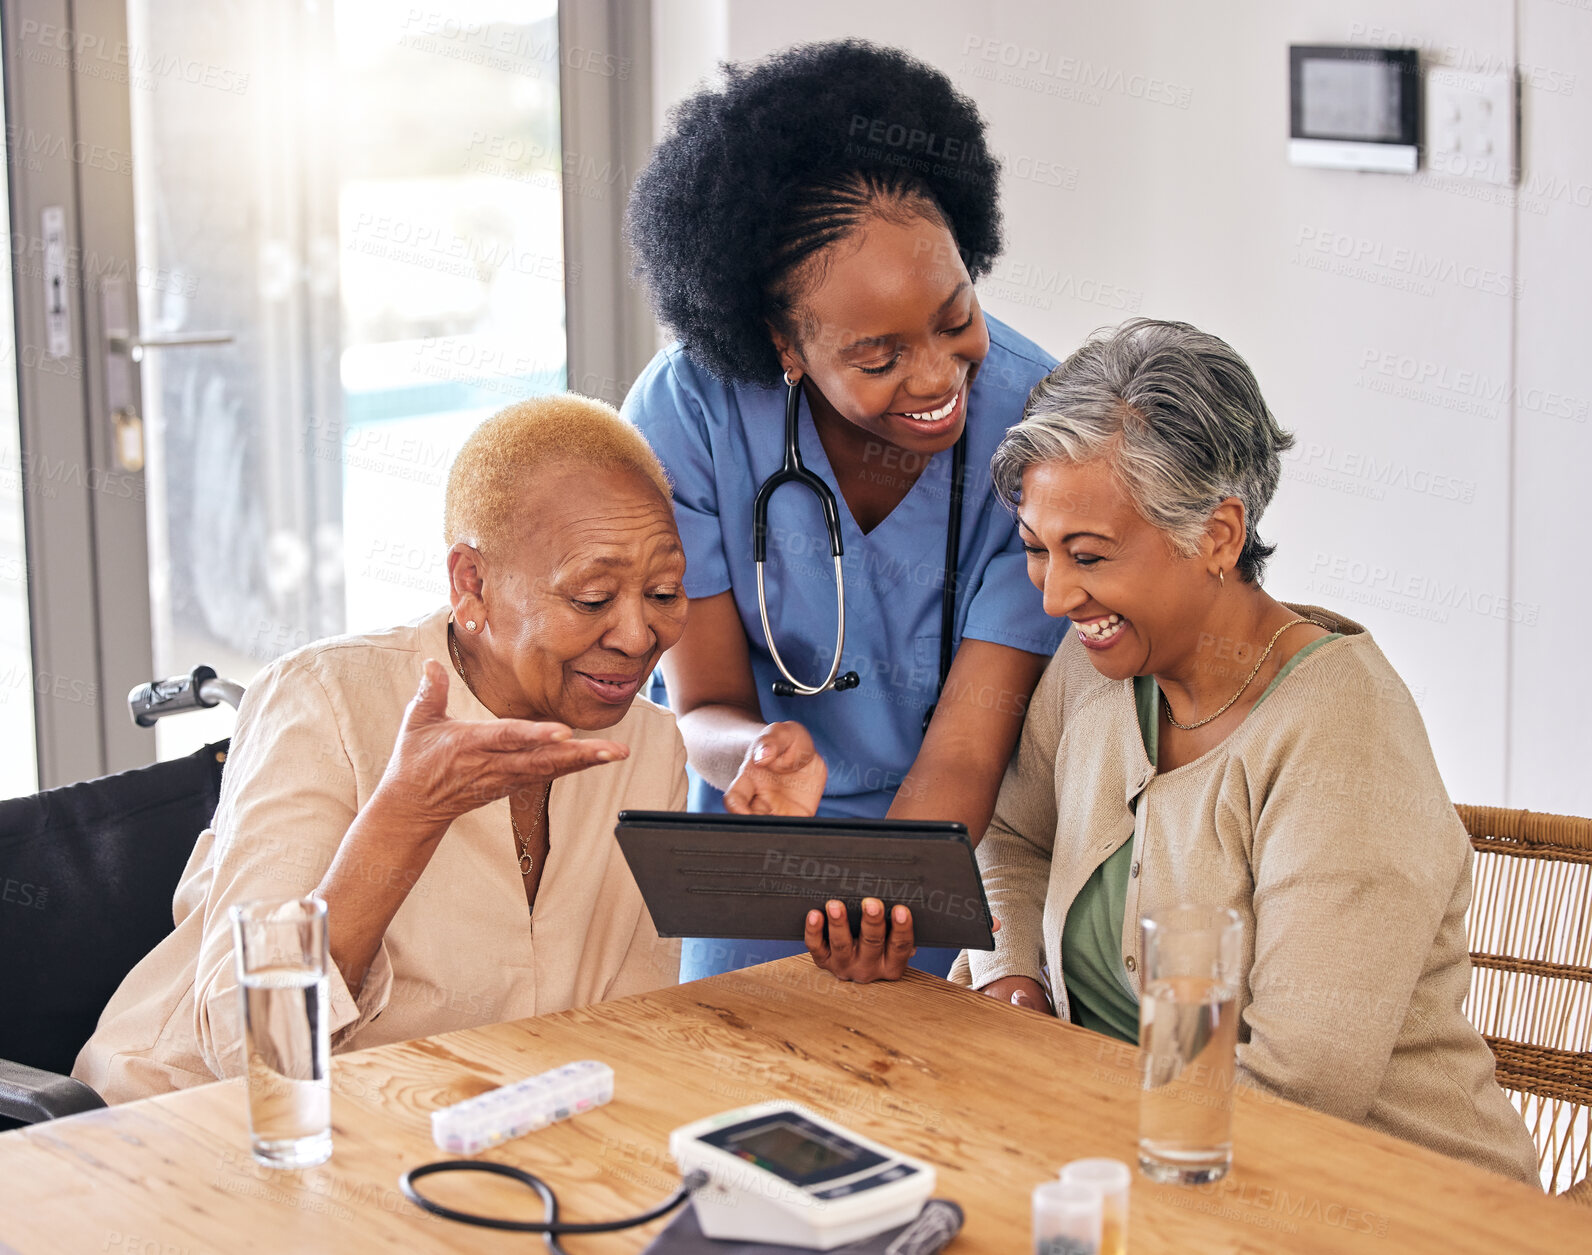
792	154
508	451
1178	416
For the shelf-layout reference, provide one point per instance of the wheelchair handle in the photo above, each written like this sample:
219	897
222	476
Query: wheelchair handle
197	690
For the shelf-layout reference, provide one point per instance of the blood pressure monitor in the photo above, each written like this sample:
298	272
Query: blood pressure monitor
783	1174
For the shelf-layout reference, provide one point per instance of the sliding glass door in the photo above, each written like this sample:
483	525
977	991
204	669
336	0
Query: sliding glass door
351	223
302	248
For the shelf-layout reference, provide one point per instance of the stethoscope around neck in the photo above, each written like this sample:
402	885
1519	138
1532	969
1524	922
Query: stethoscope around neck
793	470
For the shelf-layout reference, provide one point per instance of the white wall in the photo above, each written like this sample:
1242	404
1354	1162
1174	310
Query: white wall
1147	175
1550	711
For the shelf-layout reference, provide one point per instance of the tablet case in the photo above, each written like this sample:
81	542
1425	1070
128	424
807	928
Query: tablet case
938	1222
757	876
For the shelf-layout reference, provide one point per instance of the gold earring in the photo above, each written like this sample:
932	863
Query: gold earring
1221	577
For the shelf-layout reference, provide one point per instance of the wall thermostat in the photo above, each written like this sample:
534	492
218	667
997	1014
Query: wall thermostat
780	1173
1354	108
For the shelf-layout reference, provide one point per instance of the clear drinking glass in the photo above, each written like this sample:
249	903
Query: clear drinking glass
1111	1179
1066	1219
1188	1031
280	949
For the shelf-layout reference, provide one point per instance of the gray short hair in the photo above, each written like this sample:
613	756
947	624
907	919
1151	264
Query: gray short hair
1179	416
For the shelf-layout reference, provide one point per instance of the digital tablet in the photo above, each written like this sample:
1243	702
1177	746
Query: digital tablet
757	876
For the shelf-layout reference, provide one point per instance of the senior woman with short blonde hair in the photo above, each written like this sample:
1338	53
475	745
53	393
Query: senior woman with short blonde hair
437	784
1194	740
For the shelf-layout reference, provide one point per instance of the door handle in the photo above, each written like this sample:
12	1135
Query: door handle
122	349
134	346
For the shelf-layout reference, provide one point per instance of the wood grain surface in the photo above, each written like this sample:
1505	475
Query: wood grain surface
998	1098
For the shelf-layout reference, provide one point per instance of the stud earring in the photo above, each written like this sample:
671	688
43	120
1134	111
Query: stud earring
470	624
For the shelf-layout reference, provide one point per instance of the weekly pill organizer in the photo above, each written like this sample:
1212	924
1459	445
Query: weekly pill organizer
478	1123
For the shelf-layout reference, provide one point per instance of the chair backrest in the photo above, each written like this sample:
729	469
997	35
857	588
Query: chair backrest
87	874
1530	935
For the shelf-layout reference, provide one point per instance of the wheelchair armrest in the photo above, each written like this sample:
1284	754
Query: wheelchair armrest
33	1095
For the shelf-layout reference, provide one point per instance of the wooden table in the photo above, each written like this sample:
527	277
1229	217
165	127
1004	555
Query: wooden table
996	1097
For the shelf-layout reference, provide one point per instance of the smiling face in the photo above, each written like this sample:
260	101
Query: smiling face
1137	603
891	333
583	603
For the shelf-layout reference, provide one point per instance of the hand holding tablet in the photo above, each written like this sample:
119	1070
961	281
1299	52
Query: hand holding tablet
880	951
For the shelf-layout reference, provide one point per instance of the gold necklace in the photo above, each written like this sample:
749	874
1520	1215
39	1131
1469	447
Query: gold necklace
1259	663
527	863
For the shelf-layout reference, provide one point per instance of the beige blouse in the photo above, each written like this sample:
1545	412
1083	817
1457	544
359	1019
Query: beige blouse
314	735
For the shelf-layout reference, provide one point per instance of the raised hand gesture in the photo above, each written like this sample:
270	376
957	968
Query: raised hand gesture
442	768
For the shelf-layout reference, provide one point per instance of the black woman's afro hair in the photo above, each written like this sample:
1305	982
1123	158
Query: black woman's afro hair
787	157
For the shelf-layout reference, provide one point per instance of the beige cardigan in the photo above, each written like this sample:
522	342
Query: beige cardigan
313	737
1323	822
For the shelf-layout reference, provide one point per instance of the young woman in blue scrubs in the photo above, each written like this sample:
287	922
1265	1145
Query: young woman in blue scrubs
817	223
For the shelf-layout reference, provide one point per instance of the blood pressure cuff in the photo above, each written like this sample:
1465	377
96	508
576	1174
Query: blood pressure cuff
938	1222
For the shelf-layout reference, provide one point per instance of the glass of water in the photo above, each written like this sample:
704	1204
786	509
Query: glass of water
1188	1032
280	949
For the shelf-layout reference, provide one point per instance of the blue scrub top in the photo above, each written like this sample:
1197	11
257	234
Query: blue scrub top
719	442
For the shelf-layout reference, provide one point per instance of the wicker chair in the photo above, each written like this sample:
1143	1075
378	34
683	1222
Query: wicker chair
1530	933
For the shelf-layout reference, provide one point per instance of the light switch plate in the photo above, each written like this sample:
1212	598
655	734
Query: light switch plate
1472	125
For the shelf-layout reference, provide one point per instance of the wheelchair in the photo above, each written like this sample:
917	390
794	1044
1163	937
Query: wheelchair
87	876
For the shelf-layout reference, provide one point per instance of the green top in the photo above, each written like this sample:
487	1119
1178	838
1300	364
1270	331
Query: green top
1102	995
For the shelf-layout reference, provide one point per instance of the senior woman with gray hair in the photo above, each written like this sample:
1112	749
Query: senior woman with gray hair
1195	740
436	784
